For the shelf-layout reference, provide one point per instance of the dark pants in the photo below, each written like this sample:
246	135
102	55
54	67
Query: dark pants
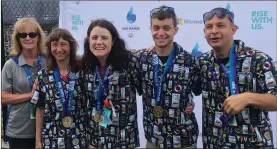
5	111
16	143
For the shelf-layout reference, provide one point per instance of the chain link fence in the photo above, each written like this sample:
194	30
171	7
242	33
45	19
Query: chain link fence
46	13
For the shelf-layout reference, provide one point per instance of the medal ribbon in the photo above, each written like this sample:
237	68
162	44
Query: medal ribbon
66	100
31	82
231	73
27	71
103	84
157	82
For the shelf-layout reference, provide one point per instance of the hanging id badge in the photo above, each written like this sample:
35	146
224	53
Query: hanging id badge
33	103
106	118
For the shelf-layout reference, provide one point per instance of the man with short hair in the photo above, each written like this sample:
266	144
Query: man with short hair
167	74
238	88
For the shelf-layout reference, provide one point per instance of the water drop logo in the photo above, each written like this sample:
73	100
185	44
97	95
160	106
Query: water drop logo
228	7
196	51
131	17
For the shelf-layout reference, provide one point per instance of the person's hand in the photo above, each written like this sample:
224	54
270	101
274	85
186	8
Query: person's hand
35	86
235	103
149	49
134	50
38	145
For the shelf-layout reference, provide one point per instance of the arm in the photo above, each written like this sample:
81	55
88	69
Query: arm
236	103
266	73
147	49
40	106
195	84
39	123
136	79
267	102
9	98
265	97
196	77
7	86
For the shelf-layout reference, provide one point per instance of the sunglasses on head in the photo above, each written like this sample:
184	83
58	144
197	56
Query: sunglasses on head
163	8
220	13
24	35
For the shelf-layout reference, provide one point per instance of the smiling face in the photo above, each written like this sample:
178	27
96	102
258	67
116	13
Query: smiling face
163	32
100	42
219	32
60	49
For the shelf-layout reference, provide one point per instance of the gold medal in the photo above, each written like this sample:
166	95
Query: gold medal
97	117
158	111
67	122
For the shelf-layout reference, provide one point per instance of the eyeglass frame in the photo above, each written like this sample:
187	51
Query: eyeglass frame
163	8
30	34
226	12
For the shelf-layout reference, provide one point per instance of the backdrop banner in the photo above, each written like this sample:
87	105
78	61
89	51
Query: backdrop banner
256	21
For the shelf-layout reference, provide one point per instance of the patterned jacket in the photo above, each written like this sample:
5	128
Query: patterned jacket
251	128
175	129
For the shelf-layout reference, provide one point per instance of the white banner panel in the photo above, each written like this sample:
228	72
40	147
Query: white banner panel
256	21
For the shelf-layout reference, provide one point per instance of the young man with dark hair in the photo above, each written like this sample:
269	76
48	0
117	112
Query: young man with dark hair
167	74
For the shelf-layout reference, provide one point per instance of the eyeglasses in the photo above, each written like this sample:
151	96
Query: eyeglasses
220	13
162	8
24	35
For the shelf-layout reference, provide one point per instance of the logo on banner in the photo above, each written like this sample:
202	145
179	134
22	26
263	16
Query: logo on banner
196	51
179	21
260	18
131	17
76	22
190	21
228	7
131	27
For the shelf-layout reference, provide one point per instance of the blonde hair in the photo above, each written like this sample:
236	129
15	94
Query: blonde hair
16	45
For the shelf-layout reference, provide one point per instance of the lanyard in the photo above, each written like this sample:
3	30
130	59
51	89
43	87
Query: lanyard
231	73
103	83
27	71
31	82
66	100
157	82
